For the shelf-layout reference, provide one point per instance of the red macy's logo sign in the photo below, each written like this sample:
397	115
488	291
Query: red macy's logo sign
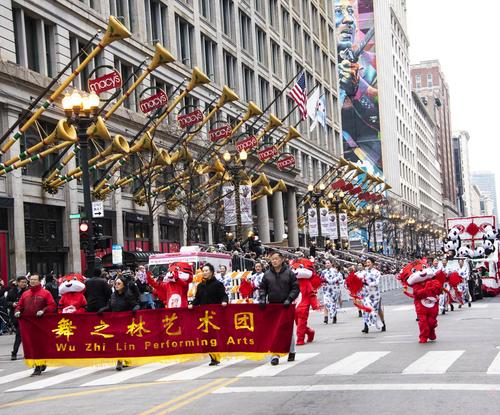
105	83
220	133
155	101
286	162
190	119
267	153
246	144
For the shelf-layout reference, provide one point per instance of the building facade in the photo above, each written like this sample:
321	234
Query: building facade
428	81
430	195
255	47
486	182
462	172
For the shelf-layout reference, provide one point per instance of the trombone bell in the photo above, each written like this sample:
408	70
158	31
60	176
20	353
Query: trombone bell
253	110
114	31
228	95
280	186
99	130
161	56
262	180
197	78
292	133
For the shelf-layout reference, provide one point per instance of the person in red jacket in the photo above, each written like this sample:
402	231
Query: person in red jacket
35	302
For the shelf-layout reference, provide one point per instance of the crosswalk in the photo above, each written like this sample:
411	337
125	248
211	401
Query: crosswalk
306	364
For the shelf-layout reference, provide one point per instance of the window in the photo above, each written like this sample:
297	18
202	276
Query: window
307	48
297	37
128	77
261	45
429	80
209	57
245	32
156	22
206	9
184	40
288	66
227	10
230	70
91	3
418	81
34	41
125	9
317	58
273	12
277	97
285	21
264	92
33	136
259	6
248	84
81	81
305	11
275	58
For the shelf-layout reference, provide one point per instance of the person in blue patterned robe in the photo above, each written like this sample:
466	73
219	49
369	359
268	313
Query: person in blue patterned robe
332	279
372	298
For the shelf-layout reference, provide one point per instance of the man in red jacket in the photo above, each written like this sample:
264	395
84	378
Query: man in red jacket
35	302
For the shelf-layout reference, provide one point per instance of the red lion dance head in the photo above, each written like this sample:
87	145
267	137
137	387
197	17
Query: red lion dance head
304	269
71	283
179	271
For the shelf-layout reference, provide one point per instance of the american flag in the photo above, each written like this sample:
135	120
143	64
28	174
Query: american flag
299	95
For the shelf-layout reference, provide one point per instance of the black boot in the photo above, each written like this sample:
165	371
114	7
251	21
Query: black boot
334	320
291	357
119	365
37	371
13	356
383	327
365	329
359	313
325	320
452	308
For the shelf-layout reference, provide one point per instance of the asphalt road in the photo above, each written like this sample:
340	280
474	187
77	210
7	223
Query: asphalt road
342	371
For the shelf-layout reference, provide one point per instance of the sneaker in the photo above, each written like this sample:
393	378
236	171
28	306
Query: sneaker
13	356
119	365
37	371
275	361
291	357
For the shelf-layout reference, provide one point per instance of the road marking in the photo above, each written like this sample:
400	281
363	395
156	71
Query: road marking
21	375
433	363
184	396
404	308
127	374
398	342
269	370
363	387
393	336
478	305
352	364
494	368
198	371
54	380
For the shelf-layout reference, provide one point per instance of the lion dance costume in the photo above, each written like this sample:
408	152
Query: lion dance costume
173	291
71	290
426	286
309	282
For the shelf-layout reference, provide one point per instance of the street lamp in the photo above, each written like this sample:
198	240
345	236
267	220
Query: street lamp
81	111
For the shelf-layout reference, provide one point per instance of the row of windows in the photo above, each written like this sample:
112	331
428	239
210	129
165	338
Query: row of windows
418	81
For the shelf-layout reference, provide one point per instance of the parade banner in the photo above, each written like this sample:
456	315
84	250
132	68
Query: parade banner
324	222
85	339
344	232
313	222
246	204
332	225
230	205
379	231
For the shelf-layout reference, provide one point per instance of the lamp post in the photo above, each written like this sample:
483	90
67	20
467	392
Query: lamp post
316	196
235	171
81	110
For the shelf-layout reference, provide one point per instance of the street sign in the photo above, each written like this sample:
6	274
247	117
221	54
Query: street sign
117	255
98	209
75	216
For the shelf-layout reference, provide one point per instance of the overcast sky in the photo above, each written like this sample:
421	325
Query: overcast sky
464	36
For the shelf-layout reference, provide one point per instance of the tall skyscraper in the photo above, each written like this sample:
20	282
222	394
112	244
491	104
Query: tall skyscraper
462	172
485	181
428	81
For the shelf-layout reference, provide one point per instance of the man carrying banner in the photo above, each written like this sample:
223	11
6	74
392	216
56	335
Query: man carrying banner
279	286
35	302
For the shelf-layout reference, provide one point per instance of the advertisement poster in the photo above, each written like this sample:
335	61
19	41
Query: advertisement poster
230	205
332	226
313	222
324	222
344	233
357	66
379	231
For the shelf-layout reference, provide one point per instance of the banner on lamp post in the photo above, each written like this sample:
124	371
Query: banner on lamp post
229	205
344	231
313	222
332	225
323	220
230	214
246	204
379	231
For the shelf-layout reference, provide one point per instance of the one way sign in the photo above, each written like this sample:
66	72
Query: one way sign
98	209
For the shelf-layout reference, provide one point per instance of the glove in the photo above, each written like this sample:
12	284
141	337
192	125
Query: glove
287	303
39	313
17	314
262	306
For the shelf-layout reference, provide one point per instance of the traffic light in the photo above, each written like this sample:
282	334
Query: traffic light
84	235
100	241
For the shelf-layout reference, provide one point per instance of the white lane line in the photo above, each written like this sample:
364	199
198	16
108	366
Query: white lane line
393	336
494	368
433	363
477	306
364	387
352	364
404	308
398	342
269	370
22	374
127	374
54	380
198	371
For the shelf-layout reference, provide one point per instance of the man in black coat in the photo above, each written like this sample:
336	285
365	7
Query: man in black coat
97	292
12	299
279	286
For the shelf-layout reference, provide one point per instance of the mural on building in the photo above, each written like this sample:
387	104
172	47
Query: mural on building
358	83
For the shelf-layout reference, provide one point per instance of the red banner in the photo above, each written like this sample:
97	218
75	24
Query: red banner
287	162
220	133
155	101
267	153
188	120
247	143
157	335
105	83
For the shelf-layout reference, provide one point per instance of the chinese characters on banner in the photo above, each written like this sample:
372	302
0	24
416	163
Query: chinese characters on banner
230	205
324	222
332	225
344	232
313	222
157	335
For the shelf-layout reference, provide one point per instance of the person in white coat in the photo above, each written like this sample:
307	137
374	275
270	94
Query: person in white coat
332	280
